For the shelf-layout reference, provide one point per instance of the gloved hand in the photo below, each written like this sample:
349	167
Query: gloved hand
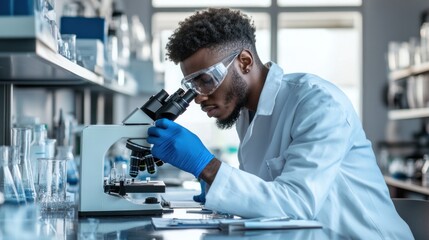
202	197
178	146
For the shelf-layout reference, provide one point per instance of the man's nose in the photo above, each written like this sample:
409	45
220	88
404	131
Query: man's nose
200	98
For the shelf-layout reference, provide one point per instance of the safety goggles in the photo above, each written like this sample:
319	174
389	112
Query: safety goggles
207	80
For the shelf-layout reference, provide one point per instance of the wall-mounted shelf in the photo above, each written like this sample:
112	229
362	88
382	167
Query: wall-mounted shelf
408	113
406	72
28	59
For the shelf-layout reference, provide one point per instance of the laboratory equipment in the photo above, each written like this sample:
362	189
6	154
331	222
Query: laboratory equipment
21	138
51	184
50	147
37	147
7	186
66	152
68	46
16	174
116	196
425	171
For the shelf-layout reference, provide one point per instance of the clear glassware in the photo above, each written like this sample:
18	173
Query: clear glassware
51	184
425	171
16	174
120	24
89	229
68	49
38	147
424	41
50	147
21	138
7	186
66	152
113	174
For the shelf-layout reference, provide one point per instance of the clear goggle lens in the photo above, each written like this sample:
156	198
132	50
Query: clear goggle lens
207	80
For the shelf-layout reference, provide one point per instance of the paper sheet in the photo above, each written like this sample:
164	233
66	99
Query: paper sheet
232	224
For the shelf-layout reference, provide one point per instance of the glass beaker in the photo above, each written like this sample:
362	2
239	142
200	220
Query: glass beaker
51	183
7	186
21	138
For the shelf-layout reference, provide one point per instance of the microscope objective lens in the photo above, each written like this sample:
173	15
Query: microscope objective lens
150	165
142	166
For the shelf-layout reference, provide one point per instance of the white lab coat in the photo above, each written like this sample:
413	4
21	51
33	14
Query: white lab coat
305	155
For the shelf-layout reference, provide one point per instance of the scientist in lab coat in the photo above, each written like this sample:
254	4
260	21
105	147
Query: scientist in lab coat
303	152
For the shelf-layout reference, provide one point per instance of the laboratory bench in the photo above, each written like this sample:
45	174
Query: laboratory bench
406	188
29	222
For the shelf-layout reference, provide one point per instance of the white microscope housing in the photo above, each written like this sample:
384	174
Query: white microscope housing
98	196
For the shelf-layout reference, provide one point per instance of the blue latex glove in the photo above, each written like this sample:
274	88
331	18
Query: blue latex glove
202	197
178	146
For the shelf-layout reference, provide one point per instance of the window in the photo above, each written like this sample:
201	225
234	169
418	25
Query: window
313	3
211	3
325	44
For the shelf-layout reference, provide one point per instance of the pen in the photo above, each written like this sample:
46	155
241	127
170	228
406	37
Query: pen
202	211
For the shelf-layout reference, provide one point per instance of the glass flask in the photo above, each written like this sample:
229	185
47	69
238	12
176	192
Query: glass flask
7	186
16	174
21	138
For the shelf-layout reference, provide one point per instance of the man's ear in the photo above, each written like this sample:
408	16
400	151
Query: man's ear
245	59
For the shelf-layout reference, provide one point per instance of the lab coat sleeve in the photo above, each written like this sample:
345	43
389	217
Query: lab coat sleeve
320	137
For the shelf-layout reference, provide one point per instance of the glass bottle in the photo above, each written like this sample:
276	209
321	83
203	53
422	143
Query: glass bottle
50	147
21	138
38	147
7	186
66	152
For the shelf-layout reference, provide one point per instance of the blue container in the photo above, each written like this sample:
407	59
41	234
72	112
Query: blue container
85	28
23	7
6	7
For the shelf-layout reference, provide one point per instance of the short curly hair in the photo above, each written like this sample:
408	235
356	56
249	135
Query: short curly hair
220	29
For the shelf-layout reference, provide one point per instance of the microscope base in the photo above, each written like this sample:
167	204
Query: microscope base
152	212
116	205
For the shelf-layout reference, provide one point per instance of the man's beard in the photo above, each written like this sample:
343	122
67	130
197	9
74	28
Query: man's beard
238	91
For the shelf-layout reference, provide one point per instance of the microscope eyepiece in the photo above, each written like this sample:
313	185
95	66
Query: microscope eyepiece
176	105
154	104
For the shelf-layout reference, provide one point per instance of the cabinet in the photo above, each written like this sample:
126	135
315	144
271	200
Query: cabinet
29	59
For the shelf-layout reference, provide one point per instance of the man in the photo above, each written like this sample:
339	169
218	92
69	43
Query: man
303	152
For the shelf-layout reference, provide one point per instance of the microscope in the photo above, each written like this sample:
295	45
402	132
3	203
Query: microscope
112	196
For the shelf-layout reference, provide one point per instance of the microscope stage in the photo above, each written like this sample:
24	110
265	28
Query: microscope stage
136	187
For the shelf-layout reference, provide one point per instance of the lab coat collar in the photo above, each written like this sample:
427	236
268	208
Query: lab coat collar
270	90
